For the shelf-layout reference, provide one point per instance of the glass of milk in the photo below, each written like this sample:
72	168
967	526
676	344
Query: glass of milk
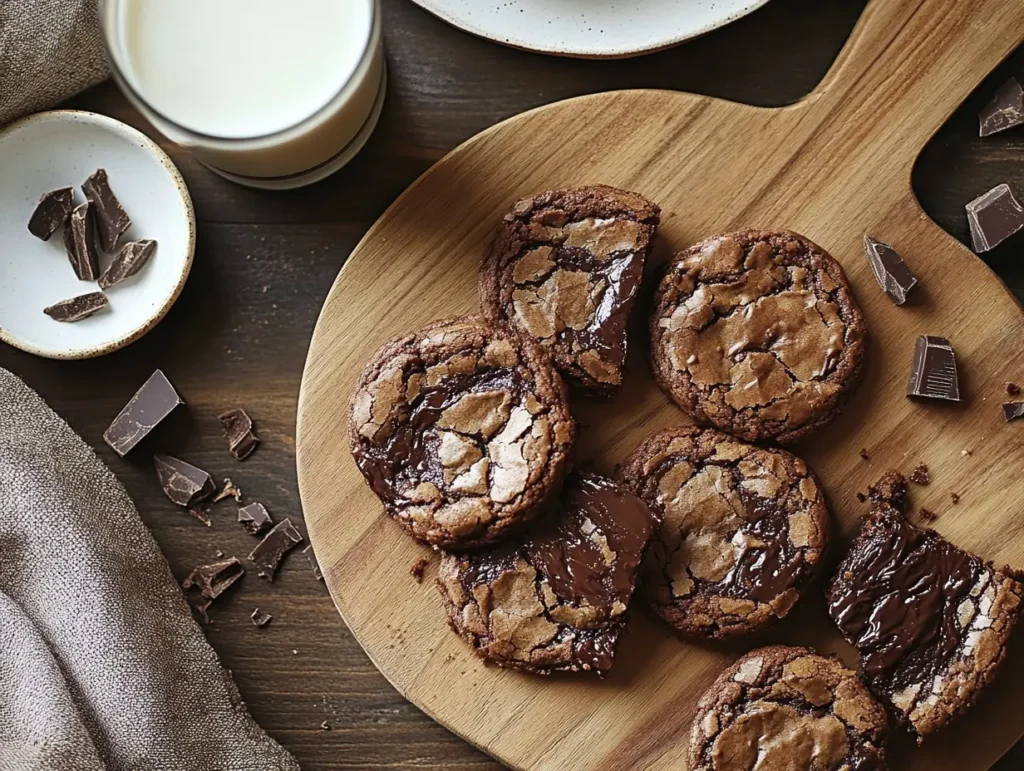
268	93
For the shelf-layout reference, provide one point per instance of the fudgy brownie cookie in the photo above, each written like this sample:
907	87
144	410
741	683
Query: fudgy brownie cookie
743	534
565	270
788	708
931	621
462	430
555	599
758	334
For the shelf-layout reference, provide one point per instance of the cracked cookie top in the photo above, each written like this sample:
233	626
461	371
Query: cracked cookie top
758	334
931	621
556	598
462	431
565	270
744	530
787	709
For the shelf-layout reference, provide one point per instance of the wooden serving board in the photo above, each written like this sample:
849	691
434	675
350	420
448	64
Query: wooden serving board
834	166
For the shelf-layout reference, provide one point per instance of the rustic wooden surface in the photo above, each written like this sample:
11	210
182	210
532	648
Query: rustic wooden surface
265	262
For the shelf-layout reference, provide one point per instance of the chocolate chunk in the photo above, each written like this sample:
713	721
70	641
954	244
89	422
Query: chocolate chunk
864	454
317	573
416	569
208	582
933	372
1005	111
994	217
270	551
133	258
183	483
919	476
254	518
238	430
259	618
891	272
51	212
1013	389
77	308
110	216
1013	410
229	490
151	404
80	243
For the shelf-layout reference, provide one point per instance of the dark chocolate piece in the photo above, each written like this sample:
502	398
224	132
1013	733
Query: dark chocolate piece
51	212
1013	389
891	272
183	483
133	258
238	430
110	216
208	582
1005	111
933	371
919	476
259	618
255	518
417	568
151	404
80	243
1013	410
994	217
317	573
77	308
229	490
269	552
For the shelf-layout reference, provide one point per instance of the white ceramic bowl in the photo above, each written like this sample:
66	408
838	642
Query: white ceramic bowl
62	148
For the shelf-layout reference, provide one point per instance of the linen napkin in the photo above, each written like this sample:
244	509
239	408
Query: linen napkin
49	50
102	667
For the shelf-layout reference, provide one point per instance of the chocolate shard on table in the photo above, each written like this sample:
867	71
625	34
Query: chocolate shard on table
150	405
931	621
260	618
185	484
933	372
208	582
269	552
994	217
238	430
110	215
317	573
51	212
891	272
77	308
1005	111
1013	411
255	518
133	257
80	243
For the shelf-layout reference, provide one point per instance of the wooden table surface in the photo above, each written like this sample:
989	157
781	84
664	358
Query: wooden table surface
265	261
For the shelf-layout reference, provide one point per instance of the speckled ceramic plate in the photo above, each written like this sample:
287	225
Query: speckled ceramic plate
599	29
59	149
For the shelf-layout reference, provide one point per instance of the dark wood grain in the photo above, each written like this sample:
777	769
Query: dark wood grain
265	261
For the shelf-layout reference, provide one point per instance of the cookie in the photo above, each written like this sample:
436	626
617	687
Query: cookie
744	532
565	270
462	430
931	621
758	334
555	599
787	708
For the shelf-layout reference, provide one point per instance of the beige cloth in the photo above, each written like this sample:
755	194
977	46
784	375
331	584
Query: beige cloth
49	50
102	667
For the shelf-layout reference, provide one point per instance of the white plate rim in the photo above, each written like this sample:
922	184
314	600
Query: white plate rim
146	143
440	9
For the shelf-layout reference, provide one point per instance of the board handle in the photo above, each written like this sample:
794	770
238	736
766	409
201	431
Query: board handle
911	63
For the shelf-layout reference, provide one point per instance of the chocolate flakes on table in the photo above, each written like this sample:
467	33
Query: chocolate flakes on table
891	272
150	405
994	217
255	518
1005	111
933	372
208	582
269	552
185	484
80	243
77	308
260	618
317	573
238	430
919	476
51	212
111	218
1013	410
133	258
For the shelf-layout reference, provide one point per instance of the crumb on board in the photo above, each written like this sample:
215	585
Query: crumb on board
325	726
861	497
417	568
1012	389
229	490
955	497
864	454
919	476
928	515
